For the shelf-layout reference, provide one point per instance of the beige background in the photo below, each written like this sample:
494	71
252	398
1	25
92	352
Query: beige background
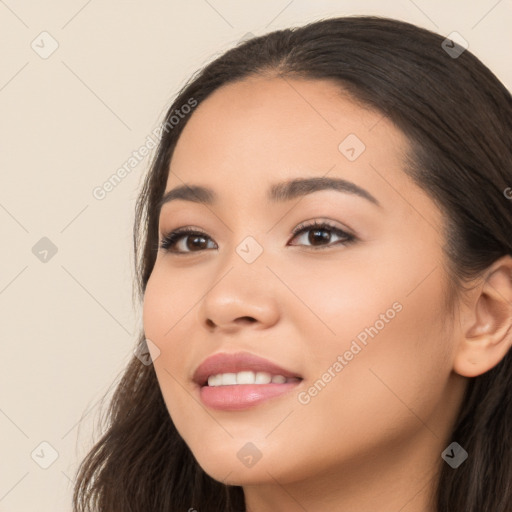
68	122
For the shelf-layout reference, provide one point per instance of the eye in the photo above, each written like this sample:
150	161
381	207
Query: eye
187	240
184	238
318	234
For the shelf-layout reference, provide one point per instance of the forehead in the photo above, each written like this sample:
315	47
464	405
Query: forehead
249	134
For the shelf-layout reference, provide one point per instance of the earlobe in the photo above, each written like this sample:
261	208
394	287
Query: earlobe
486	333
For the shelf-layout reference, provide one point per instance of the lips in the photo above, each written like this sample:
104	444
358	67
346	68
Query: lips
233	363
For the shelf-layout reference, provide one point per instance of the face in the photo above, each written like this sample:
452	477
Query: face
351	304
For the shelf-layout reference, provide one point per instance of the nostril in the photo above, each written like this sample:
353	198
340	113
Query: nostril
246	319
242	320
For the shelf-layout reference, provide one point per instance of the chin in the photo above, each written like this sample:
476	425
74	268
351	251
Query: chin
237	474
230	468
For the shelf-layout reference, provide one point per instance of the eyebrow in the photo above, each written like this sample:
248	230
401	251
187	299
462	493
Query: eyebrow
279	192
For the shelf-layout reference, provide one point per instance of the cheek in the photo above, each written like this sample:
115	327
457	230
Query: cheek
396	362
155	305
166	316
340	301
386	322
167	302
161	315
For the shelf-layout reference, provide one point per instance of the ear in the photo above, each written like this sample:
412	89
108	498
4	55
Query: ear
486	334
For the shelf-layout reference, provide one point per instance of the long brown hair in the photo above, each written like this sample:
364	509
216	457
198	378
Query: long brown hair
457	116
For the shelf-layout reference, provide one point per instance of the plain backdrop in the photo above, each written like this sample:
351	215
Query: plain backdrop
82	85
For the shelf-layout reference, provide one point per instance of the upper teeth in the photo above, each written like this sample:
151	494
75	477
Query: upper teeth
245	377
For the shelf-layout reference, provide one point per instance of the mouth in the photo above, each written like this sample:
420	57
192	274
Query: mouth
239	381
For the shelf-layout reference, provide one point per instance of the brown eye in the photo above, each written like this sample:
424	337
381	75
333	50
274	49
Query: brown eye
184	241
320	235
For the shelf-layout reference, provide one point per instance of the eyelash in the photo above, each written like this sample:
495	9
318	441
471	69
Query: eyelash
171	238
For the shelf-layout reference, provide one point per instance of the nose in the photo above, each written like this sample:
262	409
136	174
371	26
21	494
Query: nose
241	295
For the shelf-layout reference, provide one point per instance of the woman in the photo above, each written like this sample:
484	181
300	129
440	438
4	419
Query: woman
324	259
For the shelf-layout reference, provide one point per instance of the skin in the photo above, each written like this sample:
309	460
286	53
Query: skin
372	438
